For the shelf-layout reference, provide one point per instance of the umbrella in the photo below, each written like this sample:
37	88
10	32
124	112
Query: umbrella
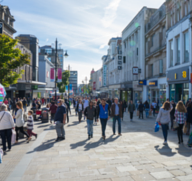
2	93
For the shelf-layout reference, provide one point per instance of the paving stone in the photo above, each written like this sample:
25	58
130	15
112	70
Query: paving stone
162	175
142	177
177	172
126	168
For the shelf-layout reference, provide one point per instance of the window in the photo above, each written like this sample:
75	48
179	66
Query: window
152	39
49	59
171	52
160	66
48	50
124	59
185	9
137	51
178	15
125	44
186	47
178	48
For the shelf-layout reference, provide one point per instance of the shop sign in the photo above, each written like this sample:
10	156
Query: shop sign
142	82
153	83
34	87
181	74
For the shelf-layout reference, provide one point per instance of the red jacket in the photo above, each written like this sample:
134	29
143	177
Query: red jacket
53	108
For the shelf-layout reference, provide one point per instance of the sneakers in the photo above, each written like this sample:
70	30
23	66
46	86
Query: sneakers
165	143
103	137
58	139
89	137
36	136
62	138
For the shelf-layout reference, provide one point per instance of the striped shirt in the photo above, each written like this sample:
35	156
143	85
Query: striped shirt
30	122
180	117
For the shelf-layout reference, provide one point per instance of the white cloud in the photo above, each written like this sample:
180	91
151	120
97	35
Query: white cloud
47	39
102	46
110	13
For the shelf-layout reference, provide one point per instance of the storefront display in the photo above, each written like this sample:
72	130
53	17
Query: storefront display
162	94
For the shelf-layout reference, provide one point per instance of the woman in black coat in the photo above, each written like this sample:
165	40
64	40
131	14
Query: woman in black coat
189	117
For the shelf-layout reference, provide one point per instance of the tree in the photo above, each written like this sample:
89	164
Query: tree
11	58
65	81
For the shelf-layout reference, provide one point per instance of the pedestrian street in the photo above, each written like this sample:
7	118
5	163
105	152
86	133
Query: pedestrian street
137	155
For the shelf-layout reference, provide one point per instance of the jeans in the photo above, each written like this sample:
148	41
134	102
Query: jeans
52	116
140	114
20	129
60	129
154	109
131	115
6	136
180	132
165	131
90	127
80	115
188	128
117	118
147	113
103	125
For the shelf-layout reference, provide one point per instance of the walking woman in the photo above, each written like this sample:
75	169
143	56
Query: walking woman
189	117
6	126
146	105
19	121
180	118
80	109
164	118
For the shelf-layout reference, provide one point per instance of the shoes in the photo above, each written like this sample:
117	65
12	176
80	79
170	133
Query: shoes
120	134
36	136
29	139
58	139
103	137
91	136
114	134
62	138
165	143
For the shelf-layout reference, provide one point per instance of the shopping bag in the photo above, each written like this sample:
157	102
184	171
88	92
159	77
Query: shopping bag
137	113
185	129
13	137
189	143
175	124
1	155
156	127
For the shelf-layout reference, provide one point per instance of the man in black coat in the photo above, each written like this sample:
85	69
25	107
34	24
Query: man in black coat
172	113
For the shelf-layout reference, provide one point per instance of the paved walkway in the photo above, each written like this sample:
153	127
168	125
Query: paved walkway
136	156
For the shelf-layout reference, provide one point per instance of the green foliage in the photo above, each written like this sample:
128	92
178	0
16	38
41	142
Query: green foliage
65	81
10	58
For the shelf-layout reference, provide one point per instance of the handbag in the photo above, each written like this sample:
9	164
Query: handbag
156	127
185	128
175	124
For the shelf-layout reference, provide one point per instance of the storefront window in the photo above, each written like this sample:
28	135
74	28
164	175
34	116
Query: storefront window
162	94
172	92
117	94
138	97
149	96
185	92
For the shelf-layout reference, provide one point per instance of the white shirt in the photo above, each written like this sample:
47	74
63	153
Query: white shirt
6	121
86	103
19	118
80	107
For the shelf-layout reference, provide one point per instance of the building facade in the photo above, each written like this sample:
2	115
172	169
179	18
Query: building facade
73	79
179	56
133	47
155	57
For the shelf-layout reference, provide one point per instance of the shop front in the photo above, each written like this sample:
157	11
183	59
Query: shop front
179	85
137	92
126	91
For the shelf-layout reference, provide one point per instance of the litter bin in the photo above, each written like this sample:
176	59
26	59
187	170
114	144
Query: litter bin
45	115
34	113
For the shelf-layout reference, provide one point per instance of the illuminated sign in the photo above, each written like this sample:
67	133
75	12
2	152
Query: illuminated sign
153	83
184	74
142	82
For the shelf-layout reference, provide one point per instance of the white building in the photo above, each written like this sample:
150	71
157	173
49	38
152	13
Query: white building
179	57
133	47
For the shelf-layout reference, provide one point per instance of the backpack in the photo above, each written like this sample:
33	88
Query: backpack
189	143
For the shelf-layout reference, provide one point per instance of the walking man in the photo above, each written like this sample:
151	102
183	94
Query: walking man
131	109
116	113
60	117
90	113
85	104
103	112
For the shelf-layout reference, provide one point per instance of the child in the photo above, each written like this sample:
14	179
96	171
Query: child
30	125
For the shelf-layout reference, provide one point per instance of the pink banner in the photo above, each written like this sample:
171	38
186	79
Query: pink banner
52	77
94	85
59	75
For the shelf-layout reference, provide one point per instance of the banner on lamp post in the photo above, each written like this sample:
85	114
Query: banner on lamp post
70	87
59	75
52	76
66	88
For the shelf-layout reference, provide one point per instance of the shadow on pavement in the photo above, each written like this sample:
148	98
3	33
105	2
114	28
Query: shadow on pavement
74	124
78	144
43	126
185	151
165	150
44	146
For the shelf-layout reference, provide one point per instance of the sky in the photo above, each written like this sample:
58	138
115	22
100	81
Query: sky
82	27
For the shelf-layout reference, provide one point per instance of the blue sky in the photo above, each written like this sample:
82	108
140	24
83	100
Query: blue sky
83	27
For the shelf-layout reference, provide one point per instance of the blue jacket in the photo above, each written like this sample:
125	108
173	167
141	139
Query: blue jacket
103	114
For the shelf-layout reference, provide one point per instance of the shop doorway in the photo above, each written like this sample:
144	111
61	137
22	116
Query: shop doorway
179	92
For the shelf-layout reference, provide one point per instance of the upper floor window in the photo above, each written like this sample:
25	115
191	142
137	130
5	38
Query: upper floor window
178	49
178	15
185	9
152	39
125	44
186	47
160	66
171	52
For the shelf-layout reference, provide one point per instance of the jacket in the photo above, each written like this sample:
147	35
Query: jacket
103	114
141	107
113	110
19	118
173	110
189	115
131	108
53	108
77	109
164	116
7	120
90	113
